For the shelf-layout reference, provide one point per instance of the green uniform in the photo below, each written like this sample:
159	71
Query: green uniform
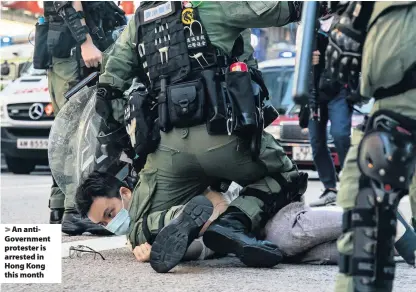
389	50
63	75
186	158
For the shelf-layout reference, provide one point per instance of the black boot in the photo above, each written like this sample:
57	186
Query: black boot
173	240
230	234
73	224
56	216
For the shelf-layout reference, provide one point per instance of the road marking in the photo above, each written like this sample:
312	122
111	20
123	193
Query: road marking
97	244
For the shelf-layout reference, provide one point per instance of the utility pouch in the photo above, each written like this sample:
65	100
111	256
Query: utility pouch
140	118
41	58
217	121
60	41
243	102
186	103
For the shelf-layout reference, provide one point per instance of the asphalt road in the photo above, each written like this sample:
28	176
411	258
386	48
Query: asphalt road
24	199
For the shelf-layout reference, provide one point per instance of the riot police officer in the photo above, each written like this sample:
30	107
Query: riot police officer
78	33
378	40
209	118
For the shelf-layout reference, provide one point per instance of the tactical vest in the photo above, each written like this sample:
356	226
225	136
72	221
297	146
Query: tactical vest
191	80
160	30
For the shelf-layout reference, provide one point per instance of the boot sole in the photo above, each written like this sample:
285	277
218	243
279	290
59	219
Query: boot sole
173	240
74	230
252	256
55	222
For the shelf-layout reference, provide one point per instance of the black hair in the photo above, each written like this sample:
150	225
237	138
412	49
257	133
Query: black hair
97	184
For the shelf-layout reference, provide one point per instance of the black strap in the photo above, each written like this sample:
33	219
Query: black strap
344	264
55	18
363	267
266	198
78	14
162	220
81	14
95	31
272	202
150	237
147	234
357	218
407	83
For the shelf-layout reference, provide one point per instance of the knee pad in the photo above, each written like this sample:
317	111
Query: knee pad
387	152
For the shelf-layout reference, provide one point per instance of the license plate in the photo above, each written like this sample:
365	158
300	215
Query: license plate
302	153
32	143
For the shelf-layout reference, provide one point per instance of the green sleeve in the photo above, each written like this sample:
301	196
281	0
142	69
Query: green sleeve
226	20
248	49
248	14
120	61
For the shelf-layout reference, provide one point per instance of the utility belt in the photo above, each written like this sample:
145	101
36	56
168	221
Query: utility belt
219	100
224	100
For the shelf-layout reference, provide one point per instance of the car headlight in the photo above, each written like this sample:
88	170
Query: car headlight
274	130
3	115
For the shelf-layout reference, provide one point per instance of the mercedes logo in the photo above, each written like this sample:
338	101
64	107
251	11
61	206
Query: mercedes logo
36	111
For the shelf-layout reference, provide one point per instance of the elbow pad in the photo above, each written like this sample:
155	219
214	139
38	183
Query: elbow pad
72	19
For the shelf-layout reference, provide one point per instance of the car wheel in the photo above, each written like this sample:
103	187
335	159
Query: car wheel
19	165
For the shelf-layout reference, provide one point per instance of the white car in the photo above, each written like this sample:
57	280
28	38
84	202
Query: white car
26	119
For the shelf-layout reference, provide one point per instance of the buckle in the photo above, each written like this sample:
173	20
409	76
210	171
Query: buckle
97	32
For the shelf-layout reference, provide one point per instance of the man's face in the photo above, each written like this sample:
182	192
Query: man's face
103	209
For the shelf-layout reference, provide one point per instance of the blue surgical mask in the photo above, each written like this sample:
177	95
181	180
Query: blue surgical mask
119	225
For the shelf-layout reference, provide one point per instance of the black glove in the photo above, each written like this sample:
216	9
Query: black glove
343	54
105	94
